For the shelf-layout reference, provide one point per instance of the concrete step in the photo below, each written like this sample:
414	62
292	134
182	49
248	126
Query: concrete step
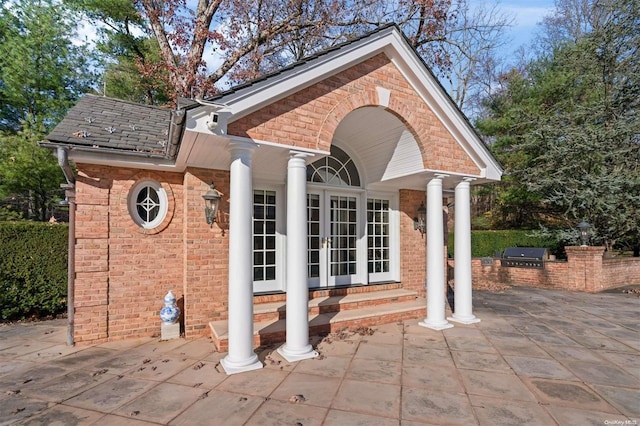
272	311
274	330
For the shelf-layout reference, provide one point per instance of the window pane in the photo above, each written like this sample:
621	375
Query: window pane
271	212
258	212
271	197
314	271
270	227
153	195
270	273
378	236
142	195
271	242
258	274
270	258
154	212
264	238
258	243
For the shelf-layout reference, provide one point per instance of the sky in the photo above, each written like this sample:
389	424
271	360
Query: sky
526	13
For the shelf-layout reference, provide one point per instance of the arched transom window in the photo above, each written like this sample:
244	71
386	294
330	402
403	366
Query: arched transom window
336	169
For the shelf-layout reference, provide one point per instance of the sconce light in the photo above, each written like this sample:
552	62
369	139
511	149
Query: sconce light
420	222
584	228
211	203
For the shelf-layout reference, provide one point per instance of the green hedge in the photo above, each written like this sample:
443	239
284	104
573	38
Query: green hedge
487	243
33	269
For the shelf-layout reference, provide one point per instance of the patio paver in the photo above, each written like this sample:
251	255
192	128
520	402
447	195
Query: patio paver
538	357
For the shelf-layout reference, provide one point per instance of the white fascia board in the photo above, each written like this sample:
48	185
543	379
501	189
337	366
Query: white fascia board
443	107
119	160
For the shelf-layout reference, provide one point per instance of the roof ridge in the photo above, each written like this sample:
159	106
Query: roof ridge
137	104
303	61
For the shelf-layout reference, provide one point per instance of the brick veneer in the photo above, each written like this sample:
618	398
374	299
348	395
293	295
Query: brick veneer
206	253
413	248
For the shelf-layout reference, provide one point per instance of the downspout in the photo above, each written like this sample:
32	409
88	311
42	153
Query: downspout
70	198
175	132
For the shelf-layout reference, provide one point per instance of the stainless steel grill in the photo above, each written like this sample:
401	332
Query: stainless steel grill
524	257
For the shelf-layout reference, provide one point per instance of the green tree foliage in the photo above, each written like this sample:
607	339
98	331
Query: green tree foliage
42	73
137	75
30	177
133	67
568	129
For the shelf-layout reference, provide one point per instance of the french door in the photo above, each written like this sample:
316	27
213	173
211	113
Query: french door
333	234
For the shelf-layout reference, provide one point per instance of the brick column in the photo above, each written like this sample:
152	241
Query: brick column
91	298
585	268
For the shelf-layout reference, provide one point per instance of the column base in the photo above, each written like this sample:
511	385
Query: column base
297	355
435	325
471	319
232	367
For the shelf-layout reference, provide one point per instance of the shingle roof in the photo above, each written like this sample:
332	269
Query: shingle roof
113	124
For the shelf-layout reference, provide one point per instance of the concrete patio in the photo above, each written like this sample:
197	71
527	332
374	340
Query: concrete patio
539	357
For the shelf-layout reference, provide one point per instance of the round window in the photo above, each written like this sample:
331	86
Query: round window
148	204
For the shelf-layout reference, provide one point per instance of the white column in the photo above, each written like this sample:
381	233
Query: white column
435	258
241	356
463	307
297	346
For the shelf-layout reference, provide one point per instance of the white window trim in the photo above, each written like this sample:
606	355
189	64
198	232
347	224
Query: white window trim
394	238
279	284
163	201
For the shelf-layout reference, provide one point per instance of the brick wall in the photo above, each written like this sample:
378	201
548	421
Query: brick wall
121	276
618	272
92	256
124	271
413	246
585	270
206	253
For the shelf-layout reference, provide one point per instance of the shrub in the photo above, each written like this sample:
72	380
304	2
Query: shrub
33	269
488	243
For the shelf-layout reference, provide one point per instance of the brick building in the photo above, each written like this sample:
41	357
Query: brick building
322	168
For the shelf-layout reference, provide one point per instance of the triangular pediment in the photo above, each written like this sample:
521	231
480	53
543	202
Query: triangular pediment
268	110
